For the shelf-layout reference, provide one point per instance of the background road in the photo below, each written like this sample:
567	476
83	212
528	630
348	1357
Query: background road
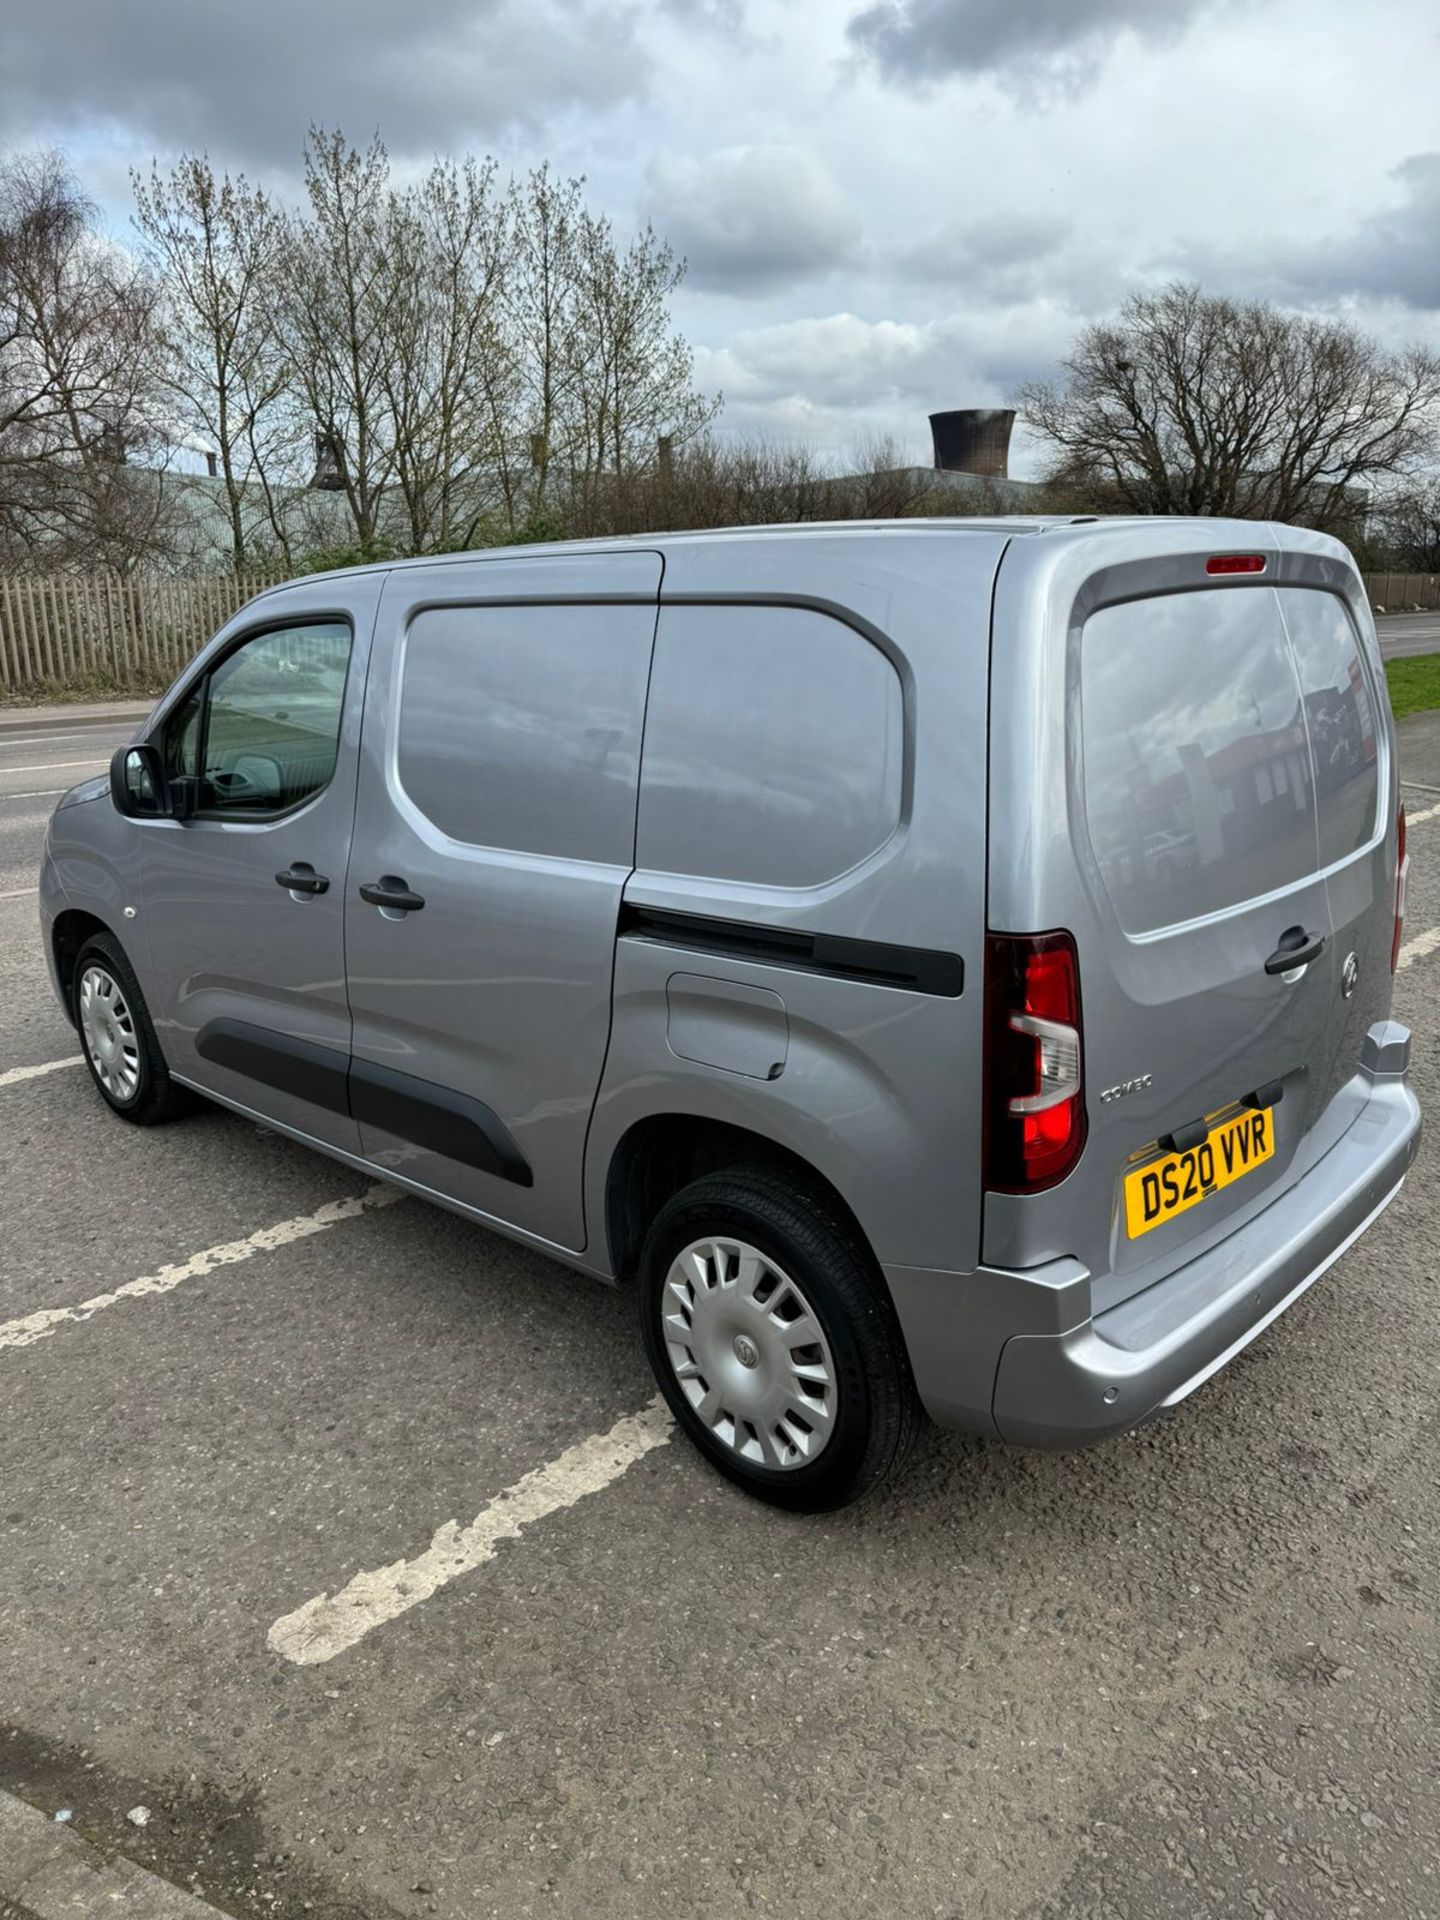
1191	1672
1406	633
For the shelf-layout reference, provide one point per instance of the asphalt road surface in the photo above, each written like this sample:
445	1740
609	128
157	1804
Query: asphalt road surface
1406	633
1189	1673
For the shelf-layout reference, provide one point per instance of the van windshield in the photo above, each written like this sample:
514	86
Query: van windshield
1203	721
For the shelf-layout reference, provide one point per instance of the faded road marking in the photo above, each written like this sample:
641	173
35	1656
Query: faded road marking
18	893
96	760
1418	948
23	737
1427	813
41	793
328	1624
17	1074
31	1327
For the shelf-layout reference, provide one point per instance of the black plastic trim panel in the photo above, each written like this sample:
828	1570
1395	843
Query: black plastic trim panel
446	1122
414	1110
921	969
299	1067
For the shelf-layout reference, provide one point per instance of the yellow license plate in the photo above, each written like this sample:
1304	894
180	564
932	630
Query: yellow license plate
1158	1191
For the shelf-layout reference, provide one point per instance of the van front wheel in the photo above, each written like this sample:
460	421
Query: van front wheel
121	1049
773	1340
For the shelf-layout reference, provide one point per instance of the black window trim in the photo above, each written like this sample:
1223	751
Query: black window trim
200	681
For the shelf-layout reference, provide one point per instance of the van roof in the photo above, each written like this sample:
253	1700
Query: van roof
1008	525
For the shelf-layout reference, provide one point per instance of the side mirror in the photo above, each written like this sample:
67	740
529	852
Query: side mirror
137	782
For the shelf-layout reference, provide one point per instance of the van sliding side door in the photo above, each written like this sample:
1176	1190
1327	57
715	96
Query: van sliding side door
494	834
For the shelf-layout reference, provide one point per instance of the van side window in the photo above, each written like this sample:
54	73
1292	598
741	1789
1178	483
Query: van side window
1340	716
520	726
774	747
262	730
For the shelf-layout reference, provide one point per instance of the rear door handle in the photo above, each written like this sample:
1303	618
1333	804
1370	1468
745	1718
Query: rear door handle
1296	949
390	891
302	878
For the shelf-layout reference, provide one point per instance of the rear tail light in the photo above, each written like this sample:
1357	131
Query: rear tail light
1402	874
1034	1083
1235	563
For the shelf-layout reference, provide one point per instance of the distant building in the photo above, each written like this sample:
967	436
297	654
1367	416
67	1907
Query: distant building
970	472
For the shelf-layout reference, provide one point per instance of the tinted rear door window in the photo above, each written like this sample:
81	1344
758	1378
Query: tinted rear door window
1340	716
1196	774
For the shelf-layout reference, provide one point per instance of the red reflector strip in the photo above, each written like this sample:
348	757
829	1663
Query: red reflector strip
1235	563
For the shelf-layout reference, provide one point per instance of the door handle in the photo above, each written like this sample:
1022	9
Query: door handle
302	878
390	891
1296	949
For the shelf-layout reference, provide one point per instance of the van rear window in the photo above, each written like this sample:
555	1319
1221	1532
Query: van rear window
1202	724
1340	719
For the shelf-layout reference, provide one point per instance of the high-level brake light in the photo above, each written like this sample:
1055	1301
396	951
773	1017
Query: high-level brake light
1235	563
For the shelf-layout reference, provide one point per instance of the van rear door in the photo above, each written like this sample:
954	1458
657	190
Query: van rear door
1204	802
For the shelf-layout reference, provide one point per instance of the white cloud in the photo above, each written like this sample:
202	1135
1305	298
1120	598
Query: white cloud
836	378
749	218
246	80
922	42
864	246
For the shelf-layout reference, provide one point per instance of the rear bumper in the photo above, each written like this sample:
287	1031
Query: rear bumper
1082	1377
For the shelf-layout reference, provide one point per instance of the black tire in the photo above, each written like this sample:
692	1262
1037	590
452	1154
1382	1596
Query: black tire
800	1228
156	1097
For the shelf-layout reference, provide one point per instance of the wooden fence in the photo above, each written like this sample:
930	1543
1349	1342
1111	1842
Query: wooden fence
1403	592
72	629
77	629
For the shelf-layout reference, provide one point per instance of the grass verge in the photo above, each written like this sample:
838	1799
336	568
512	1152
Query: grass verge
1414	683
88	687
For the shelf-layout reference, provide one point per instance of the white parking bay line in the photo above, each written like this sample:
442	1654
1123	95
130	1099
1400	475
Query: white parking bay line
18	736
1418	819
1418	948
31	1327
17	893
329	1624
96	760
15	1075
40	793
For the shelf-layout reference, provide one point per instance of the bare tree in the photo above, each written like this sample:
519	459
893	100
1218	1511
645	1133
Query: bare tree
1194	404
413	367
337	293
885	484
708	483
449	366
602	376
1407	528
82	432
213	245
544	216
633	376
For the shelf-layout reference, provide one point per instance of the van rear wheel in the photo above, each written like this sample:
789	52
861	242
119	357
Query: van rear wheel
773	1341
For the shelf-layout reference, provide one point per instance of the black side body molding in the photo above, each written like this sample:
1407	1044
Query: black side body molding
299	1067
921	969
438	1118
415	1110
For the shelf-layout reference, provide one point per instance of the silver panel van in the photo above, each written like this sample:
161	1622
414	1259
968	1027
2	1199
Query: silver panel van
945	966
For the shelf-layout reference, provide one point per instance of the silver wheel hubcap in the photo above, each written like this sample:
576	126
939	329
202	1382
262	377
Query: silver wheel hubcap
108	1030
749	1353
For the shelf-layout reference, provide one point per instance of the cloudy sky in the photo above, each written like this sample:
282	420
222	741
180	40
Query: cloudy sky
888	206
